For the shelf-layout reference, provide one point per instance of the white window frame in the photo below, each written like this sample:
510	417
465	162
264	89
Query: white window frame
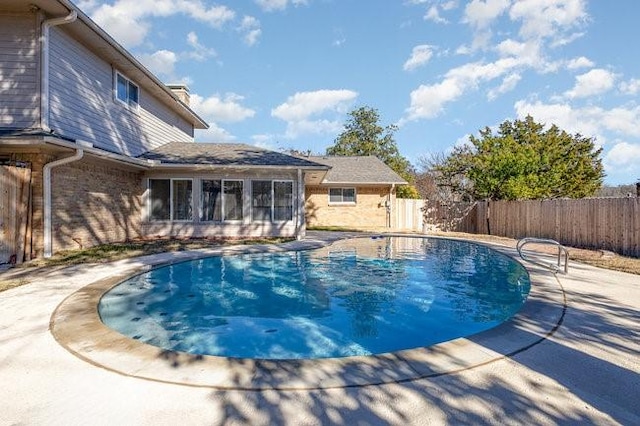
343	203
273	200
201	200
272	213
244	194
253	219
129	103
171	218
222	200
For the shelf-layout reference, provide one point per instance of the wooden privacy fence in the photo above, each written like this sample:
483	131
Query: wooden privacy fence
15	213
598	223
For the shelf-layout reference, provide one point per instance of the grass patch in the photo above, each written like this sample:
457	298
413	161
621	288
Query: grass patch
110	252
9	284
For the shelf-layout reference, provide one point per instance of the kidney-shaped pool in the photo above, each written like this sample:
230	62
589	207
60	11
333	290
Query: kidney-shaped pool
356	297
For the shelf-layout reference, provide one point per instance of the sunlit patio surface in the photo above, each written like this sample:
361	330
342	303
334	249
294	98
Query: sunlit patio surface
571	356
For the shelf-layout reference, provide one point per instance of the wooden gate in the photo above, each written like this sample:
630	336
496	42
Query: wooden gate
15	212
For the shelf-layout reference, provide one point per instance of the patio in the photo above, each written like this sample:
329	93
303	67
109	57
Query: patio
581	365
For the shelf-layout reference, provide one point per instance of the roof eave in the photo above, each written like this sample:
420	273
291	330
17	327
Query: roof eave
158	165
363	183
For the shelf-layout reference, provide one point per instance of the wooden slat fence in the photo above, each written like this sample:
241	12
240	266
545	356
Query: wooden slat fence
15	213
597	223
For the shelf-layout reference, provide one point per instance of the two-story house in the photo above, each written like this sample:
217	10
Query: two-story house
95	149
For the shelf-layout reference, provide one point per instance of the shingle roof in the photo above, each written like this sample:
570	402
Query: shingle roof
358	169
224	154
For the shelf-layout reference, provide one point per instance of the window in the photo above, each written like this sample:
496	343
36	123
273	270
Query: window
170	199
342	195
160	206
126	91
232	199
271	200
211	200
283	201
261	200
182	199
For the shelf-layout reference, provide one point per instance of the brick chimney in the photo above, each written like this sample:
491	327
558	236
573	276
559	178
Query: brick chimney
181	91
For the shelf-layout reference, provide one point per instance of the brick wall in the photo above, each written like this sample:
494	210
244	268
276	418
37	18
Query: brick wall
94	203
368	212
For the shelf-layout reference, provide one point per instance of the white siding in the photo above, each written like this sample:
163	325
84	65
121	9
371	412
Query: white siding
83	107
18	71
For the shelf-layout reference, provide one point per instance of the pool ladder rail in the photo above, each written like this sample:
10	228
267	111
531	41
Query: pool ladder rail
562	253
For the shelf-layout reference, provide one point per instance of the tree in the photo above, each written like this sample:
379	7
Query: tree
428	179
523	161
362	135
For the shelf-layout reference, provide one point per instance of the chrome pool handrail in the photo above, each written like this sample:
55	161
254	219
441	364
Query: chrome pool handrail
561	251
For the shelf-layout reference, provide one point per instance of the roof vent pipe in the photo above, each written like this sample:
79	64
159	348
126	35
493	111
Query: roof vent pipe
44	64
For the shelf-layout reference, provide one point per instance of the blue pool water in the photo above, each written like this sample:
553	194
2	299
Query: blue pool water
356	297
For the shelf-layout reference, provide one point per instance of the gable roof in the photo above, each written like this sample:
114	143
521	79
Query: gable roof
357	170
226	154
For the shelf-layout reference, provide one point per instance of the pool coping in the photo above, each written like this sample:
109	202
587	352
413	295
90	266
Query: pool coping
76	325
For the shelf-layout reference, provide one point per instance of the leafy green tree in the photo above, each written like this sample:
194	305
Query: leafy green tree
523	161
363	135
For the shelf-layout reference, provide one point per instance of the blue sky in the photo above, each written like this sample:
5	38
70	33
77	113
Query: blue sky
284	73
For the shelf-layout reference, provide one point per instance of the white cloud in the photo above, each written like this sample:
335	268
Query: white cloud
592	83
199	52
221	109
433	14
264	141
161	63
420	55
508	84
272	5
481	13
630	87
548	18
427	101
127	20
305	104
214	134
625	156
250	27
312	127
581	62
589	121
299	108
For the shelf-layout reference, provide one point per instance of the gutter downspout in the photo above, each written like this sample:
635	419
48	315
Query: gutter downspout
46	176
390	207
300	220
44	64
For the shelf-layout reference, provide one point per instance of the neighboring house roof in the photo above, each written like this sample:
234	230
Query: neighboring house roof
101	43
357	170
225	154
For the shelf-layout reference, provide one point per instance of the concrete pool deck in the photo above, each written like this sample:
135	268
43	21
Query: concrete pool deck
571	356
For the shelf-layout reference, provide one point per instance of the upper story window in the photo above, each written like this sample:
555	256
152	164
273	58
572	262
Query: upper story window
126	92
342	195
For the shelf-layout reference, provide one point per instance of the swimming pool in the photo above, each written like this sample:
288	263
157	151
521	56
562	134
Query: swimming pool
356	297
